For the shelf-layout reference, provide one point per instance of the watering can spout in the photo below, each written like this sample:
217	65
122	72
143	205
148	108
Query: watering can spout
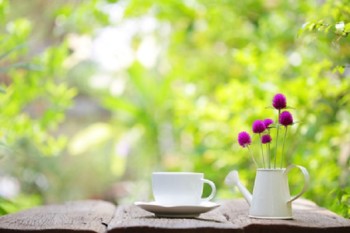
233	179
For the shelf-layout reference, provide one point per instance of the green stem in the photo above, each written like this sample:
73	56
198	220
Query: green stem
284	140
278	127
262	151
256	164
269	153
269	150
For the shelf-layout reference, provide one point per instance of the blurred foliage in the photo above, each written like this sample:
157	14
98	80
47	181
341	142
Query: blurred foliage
197	73
342	201
32	107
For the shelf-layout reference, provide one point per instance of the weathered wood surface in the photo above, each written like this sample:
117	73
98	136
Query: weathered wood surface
79	216
231	216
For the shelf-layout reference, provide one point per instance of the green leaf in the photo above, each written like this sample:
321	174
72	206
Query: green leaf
123	105
339	69
21	65
18	47
347	28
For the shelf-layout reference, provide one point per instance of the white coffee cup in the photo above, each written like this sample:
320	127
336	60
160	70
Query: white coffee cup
180	188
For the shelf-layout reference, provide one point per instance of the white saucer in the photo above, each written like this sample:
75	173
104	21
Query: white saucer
177	211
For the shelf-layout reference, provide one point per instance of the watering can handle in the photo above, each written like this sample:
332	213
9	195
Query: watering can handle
306	180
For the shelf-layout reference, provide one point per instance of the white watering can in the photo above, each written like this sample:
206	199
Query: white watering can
271	198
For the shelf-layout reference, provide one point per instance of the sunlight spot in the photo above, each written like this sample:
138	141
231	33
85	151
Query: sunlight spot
202	102
100	81
148	24
148	52
295	59
89	138
115	11
81	47
117	86
340	27
123	147
112	48
304	25
190	89
9	187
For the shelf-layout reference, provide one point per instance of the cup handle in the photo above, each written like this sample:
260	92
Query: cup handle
213	189
306	180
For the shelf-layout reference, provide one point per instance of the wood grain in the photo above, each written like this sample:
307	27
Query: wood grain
231	216
307	217
130	218
80	216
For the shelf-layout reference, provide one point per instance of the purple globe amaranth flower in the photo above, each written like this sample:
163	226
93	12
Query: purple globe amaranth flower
258	126
279	101
268	122
244	139
286	118
266	138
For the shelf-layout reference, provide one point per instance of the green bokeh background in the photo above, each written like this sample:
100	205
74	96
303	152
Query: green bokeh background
188	77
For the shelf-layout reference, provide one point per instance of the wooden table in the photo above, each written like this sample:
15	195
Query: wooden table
231	216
